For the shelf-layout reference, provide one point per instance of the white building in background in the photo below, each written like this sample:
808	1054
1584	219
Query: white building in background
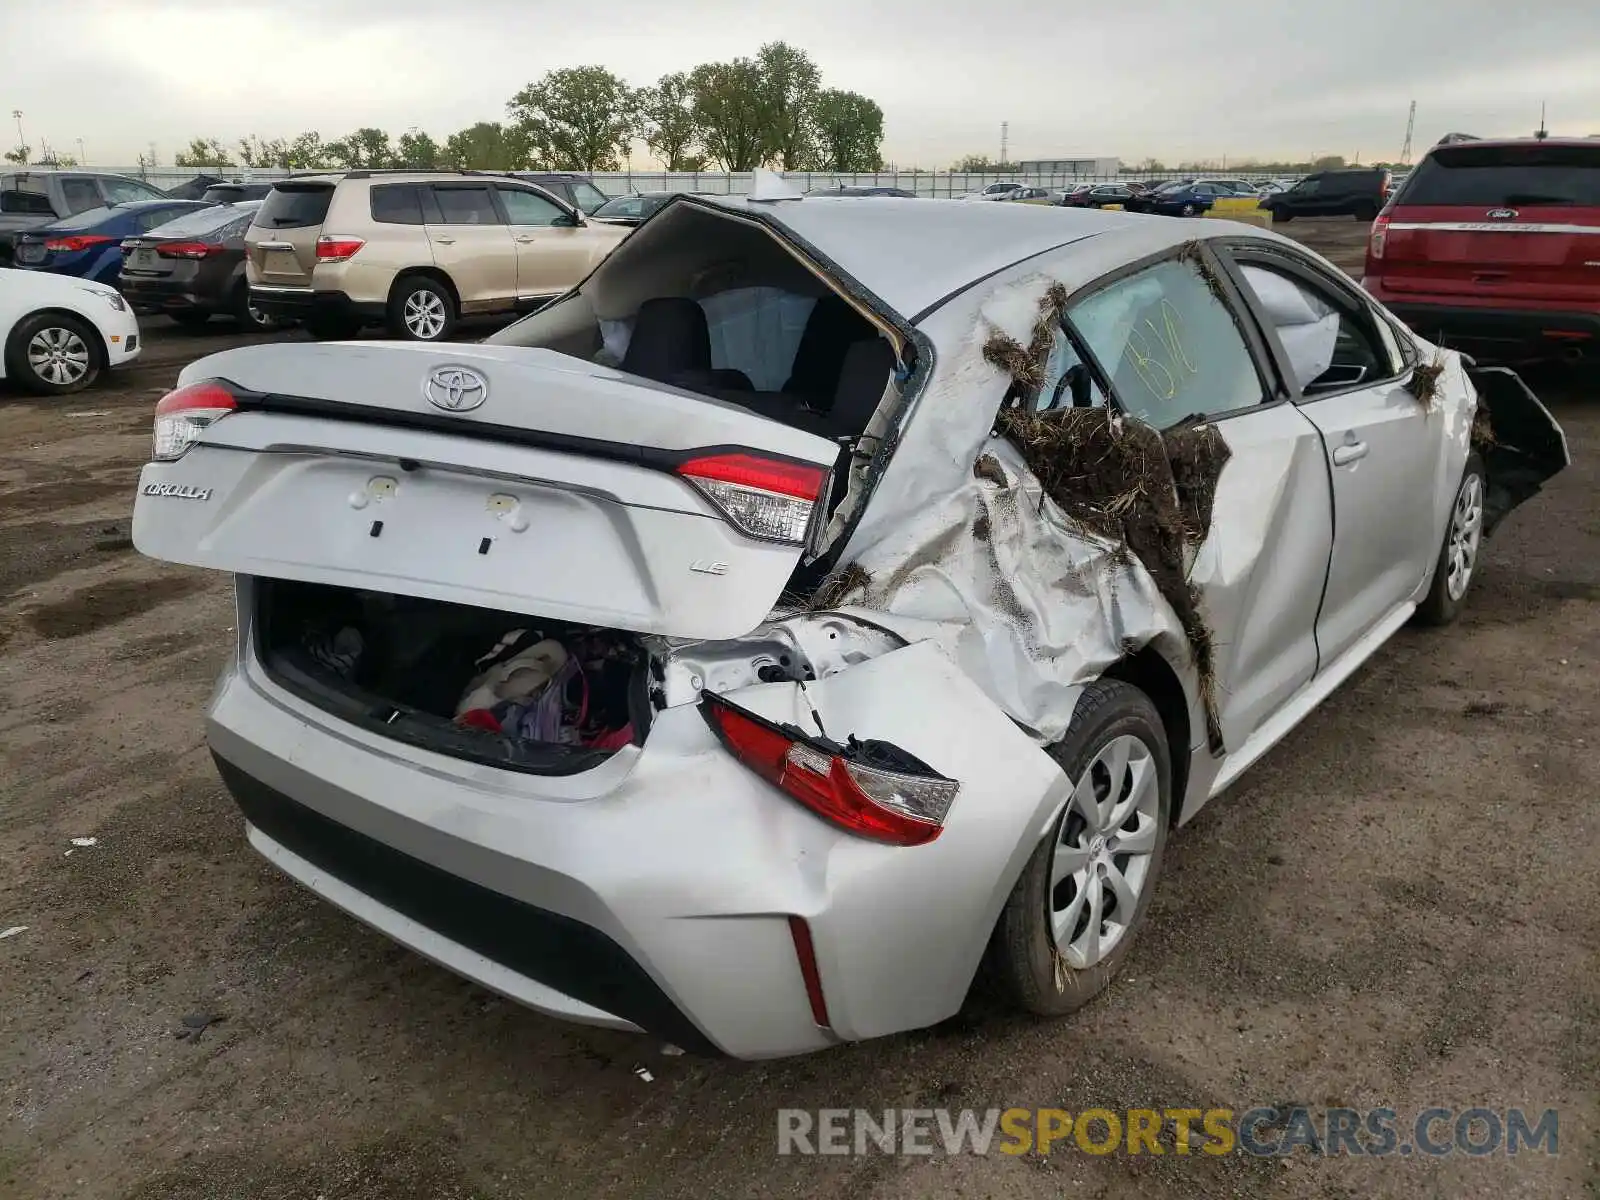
1069	166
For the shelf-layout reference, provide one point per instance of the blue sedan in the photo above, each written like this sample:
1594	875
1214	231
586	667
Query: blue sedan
1179	199
88	245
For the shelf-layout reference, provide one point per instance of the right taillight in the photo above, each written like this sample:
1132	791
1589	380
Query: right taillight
872	789
767	498
337	249
1380	234
183	414
188	249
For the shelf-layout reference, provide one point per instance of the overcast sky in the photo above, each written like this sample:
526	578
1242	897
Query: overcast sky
1166	78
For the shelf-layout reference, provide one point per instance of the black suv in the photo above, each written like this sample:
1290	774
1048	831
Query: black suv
1359	192
576	190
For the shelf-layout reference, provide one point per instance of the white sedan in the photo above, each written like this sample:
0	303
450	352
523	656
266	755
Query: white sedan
58	333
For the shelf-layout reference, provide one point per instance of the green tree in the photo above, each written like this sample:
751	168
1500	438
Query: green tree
417	149
203	152
1328	162
577	118
667	122
306	152
849	131
366	147
789	86
729	112
19	155
486	146
976	164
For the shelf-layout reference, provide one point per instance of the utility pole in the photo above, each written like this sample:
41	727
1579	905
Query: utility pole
83	159
1411	124
1544	130
1005	140
22	142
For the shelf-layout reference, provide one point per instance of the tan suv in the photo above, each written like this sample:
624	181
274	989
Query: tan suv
414	250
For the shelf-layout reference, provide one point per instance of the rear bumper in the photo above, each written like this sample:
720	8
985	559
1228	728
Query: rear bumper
304	304
1502	333
168	296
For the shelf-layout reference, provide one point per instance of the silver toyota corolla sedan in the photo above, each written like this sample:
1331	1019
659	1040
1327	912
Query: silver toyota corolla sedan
827	601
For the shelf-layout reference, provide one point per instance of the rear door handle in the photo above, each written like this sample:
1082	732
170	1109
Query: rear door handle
526	238
444	241
1348	453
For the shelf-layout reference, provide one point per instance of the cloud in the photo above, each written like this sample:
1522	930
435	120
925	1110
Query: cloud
1146	77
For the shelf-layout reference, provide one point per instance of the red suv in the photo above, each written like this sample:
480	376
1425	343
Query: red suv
1493	247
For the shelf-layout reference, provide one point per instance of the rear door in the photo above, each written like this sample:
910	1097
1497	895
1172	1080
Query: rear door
1491	223
281	247
552	253
1384	448
472	244
1173	351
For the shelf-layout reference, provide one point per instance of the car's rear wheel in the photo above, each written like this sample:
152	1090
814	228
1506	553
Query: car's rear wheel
421	309
1074	913
53	354
1190	210
190	318
1280	218
1366	212
326	327
248	315
1458	557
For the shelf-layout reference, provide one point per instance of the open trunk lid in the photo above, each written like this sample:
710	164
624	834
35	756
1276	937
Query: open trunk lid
1498	222
556	488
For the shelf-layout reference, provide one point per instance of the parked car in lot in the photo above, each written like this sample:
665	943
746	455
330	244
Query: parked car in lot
1076	196
414	251
863	190
1177	199
35	197
1358	192
192	268
57	334
89	245
1103	194
630	210
1231	187
994	191
578	191
761	688
1495	246
235	193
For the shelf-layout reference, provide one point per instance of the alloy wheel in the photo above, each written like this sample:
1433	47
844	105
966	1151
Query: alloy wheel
1103	851
1466	532
59	356
424	314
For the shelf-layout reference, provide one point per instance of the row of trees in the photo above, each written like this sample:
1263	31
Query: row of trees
770	110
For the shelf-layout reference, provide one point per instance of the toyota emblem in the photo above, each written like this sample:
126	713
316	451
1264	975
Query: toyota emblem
455	389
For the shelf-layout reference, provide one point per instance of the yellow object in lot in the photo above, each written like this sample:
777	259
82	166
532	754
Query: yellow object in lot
1236	204
1112	207
1249	216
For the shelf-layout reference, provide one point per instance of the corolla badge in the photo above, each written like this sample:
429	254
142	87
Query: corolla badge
455	389
1502	214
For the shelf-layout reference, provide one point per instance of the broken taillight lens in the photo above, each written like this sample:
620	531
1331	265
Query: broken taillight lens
767	498
872	789
1380	235
183	414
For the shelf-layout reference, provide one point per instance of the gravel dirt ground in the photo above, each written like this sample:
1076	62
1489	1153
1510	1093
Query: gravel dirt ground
1397	906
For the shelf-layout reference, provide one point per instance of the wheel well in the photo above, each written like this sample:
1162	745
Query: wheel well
432	273
1151	674
99	338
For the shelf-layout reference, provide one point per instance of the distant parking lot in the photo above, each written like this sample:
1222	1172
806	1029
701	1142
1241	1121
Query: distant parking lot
1396	907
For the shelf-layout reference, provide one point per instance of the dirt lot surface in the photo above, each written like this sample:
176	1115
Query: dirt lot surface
1397	906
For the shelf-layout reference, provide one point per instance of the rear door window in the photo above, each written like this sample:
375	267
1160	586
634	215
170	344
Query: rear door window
295	206
466	206
81	194
1170	345
126	191
1506	177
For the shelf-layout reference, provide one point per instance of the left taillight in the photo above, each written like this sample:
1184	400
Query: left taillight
182	415
872	789
79	241
767	498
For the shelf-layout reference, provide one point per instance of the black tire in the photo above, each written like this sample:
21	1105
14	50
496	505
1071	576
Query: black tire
250	318
1190	210
421	309
71	331
190	318
1281	218
1439	607
1022	952
326	327
1366	212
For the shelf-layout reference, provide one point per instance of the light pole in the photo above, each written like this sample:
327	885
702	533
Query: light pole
83	159
16	115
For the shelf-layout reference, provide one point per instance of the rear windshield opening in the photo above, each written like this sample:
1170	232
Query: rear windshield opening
1506	176
714	304
295	205
513	691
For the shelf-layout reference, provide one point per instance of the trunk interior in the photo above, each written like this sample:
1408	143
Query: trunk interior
522	693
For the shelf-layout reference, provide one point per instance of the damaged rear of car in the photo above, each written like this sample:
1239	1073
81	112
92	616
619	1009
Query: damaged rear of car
739	649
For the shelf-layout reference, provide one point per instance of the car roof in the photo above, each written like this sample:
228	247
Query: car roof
914	253
1497	143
